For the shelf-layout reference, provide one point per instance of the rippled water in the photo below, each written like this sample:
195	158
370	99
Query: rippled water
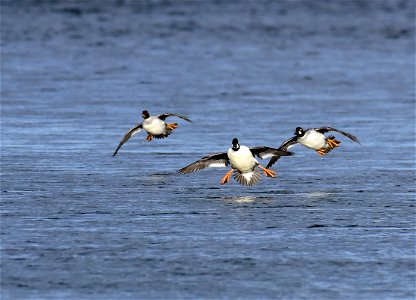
78	223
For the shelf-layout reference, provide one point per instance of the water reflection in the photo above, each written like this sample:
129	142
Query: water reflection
242	199
320	195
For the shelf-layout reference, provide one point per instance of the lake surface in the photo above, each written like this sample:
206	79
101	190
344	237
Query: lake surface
77	223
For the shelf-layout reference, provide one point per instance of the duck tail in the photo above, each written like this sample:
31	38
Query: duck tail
249	178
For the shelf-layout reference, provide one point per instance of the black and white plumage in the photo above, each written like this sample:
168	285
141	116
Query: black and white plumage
155	126
315	139
242	161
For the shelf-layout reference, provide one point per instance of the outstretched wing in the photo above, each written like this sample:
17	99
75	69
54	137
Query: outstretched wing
165	115
128	135
288	143
327	129
284	146
219	160
265	152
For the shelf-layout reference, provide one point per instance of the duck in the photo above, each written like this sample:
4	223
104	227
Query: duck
155	126
244	165
315	139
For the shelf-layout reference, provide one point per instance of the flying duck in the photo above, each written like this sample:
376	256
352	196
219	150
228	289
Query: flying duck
155	127
243	163
315	139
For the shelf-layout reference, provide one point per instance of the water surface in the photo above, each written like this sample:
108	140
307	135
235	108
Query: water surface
78	223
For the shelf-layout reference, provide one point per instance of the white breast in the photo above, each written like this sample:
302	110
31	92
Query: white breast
313	139
154	125
242	159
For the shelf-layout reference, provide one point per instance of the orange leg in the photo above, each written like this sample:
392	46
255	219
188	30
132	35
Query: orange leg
149	137
172	126
322	151
267	172
226	178
333	143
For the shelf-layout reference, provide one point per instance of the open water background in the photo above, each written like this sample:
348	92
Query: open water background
77	223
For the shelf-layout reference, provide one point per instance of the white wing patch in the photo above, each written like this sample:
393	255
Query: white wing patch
216	165
266	155
136	131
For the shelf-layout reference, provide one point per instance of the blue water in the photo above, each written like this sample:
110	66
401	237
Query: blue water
77	223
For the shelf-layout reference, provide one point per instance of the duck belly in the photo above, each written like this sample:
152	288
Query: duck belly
242	160
314	140
154	126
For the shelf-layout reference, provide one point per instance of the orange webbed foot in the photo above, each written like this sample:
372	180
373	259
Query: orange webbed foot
149	137
322	151
172	126
226	178
268	172
333	143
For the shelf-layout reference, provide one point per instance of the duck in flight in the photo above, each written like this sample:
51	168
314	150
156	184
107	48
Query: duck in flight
242	160
315	139
155	126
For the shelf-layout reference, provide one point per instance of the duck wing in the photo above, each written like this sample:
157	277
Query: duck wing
219	160
327	129
165	115
128	135
284	146
265	152
288	143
